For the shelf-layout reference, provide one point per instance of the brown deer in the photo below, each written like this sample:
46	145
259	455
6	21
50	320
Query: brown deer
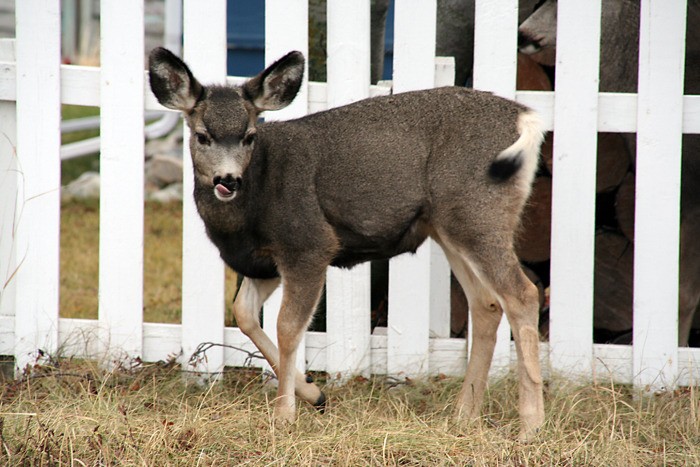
284	200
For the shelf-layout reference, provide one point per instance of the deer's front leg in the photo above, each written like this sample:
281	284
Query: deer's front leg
246	308
300	297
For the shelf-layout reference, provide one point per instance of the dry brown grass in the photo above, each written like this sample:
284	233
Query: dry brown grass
74	414
79	259
162	262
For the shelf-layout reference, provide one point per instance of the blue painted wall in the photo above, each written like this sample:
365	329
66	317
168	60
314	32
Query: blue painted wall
245	25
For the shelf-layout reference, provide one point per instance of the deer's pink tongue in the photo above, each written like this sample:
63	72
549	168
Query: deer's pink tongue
223	191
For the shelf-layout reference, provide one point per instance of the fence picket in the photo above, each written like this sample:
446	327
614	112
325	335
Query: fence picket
495	67
495	50
122	178
412	344
202	271
38	192
657	217
410	276
440	310
9	179
573	187
286	29
348	292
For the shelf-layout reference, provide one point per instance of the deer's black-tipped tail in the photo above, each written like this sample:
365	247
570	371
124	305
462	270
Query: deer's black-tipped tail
520	158
502	169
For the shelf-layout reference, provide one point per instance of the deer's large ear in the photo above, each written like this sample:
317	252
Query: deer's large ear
172	81
276	87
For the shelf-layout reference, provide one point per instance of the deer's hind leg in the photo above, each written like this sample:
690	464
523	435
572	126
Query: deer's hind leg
493	281
485	316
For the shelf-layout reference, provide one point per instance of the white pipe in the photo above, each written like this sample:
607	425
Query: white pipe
157	129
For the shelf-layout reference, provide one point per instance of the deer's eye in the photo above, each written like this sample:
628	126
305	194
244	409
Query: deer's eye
202	138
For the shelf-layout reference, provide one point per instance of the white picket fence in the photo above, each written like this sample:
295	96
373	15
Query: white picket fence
33	84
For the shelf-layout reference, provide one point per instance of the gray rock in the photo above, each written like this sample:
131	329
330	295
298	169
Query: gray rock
162	170
84	187
172	192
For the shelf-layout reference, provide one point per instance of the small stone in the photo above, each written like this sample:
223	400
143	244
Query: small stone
172	192
163	170
84	187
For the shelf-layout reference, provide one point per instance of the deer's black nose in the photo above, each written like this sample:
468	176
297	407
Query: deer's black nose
228	181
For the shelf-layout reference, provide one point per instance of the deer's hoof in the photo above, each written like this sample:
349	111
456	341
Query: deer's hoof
284	418
320	403
528	436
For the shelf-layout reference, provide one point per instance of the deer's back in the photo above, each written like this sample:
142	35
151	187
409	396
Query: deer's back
372	169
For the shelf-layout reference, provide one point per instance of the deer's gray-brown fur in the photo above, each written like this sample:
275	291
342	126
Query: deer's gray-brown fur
282	201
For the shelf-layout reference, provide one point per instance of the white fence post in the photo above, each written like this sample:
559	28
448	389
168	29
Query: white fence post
495	46
348	325
574	187
411	277
121	177
495	69
29	188
38	193
172	33
9	173
204	27
657	216
286	29
440	310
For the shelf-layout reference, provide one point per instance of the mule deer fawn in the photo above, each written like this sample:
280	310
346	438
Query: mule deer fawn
284	200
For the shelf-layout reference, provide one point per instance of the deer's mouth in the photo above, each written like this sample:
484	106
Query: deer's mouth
225	188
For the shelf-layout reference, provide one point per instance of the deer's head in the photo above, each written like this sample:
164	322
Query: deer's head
222	118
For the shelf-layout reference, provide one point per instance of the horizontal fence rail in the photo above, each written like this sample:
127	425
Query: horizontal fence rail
617	112
419	285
